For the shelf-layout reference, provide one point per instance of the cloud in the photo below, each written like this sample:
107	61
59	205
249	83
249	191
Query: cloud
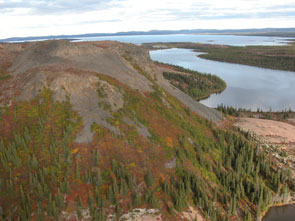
44	17
185	9
199	15
54	6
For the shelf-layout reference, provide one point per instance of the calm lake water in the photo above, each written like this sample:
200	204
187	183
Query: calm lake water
209	39
281	213
247	87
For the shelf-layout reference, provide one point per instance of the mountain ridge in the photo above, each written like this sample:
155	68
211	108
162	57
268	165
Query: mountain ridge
93	131
283	32
55	64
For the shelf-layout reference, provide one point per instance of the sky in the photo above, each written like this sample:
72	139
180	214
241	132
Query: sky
22	18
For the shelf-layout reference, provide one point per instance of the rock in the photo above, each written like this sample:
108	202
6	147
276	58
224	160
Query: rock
141	214
171	164
75	70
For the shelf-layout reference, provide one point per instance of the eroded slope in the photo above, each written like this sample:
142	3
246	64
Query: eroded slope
72	69
76	143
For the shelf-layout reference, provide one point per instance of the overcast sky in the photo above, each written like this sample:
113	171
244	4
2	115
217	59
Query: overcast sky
54	17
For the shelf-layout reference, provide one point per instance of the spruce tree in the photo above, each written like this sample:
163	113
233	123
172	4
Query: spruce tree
149	179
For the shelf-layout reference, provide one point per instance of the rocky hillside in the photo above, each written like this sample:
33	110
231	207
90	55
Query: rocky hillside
93	131
73	69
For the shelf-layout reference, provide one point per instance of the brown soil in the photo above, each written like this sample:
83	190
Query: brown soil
192	214
272	132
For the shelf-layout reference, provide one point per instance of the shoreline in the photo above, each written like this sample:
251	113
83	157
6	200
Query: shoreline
275	205
239	54
213	92
174	69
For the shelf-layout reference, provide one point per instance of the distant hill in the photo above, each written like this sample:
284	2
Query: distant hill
281	32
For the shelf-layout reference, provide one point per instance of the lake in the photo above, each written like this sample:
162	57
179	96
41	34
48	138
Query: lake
208	39
247	87
281	213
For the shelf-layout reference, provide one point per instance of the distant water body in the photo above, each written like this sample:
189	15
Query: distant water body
233	40
247	87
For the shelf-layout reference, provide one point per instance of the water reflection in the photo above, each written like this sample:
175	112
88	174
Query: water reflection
247	87
281	213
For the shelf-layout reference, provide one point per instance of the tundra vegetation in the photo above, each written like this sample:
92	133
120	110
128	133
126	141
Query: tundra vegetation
45	174
3	75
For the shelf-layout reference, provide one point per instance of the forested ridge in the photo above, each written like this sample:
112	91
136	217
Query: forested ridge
197	85
45	173
274	57
144	148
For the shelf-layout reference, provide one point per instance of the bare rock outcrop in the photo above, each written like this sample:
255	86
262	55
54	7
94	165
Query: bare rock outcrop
89	56
81	90
69	70
72	70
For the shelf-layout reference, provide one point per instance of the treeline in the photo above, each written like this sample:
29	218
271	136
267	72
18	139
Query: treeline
270	115
274	57
233	111
195	84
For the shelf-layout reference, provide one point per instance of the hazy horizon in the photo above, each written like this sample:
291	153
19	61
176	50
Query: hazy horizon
154	32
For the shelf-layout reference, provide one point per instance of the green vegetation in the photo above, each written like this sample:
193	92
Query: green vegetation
195	84
3	75
270	115
44	172
275	57
229	110
36	156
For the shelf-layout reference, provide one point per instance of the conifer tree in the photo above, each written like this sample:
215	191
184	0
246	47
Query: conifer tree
149	179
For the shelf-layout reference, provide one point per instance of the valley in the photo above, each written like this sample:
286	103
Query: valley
94	131
123	110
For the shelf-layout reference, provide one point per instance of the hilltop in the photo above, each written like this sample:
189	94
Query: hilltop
97	130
